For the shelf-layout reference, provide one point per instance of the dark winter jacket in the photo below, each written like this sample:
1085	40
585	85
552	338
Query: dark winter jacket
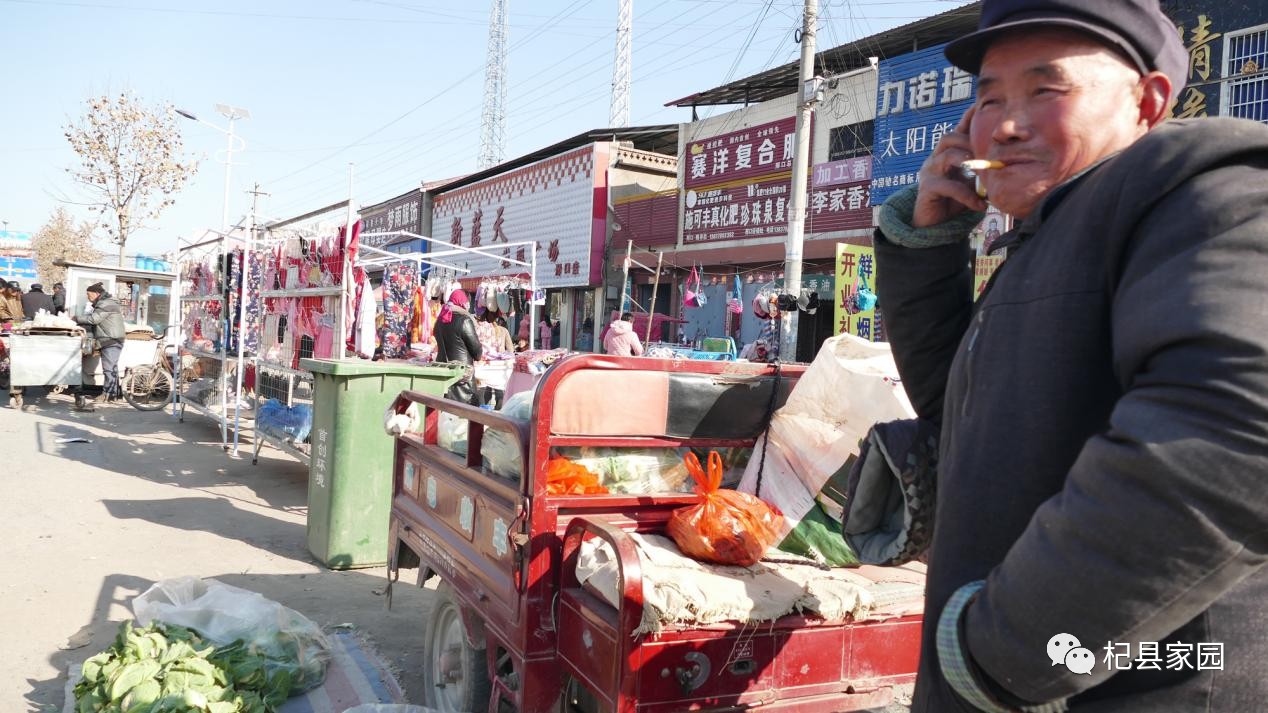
1104	446
33	302
457	342
106	320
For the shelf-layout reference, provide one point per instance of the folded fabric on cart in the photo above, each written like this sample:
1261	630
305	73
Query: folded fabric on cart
679	591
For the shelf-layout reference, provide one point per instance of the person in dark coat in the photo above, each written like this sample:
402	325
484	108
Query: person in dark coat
35	300
108	332
458	343
59	297
1101	528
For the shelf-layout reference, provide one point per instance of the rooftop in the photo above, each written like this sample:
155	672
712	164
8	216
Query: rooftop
782	81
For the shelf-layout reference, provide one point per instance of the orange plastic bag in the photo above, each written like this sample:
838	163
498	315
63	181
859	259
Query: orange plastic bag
563	477
726	526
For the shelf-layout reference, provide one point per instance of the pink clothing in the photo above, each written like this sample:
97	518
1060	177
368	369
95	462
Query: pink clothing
621	340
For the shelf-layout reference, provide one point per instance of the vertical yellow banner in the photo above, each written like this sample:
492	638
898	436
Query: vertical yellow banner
856	290
984	267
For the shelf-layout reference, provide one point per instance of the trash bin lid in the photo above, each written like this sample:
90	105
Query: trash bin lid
360	367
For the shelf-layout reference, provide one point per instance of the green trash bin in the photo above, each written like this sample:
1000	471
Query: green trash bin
350	471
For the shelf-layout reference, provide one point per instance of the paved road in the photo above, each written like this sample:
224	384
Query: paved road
90	525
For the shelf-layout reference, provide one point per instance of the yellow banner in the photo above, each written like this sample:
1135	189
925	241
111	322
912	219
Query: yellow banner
984	267
856	288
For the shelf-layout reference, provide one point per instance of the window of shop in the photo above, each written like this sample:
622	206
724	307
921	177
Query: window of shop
1245	92
850	141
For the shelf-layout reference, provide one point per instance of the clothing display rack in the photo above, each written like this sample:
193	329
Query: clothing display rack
300	313
443	267
210	281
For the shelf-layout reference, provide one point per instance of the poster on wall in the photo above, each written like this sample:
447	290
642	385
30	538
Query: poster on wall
857	311
920	98
983	268
552	203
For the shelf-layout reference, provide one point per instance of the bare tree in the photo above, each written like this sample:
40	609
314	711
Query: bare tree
61	239
132	162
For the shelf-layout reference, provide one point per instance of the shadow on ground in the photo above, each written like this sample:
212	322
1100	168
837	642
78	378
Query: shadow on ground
349	599
155	446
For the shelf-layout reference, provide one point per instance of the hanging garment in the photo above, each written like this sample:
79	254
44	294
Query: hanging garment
400	287
365	341
251	300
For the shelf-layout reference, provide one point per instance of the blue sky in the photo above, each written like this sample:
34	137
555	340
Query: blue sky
392	86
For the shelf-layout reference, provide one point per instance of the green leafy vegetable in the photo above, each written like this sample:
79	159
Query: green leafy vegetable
172	669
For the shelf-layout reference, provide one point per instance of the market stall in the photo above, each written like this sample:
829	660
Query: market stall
210	289
43	356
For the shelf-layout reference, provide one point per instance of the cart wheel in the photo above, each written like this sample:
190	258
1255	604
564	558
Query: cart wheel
455	675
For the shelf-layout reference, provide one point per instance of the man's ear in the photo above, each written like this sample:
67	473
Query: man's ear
1155	98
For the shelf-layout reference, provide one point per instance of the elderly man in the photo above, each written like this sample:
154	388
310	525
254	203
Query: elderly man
108	331
1102	525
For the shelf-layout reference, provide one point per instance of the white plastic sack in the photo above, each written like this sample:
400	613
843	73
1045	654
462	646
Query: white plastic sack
501	455
222	614
852	384
451	433
395	424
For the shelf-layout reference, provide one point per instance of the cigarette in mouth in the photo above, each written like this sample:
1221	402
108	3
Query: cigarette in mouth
980	164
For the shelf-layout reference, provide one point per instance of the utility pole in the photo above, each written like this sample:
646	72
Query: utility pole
794	244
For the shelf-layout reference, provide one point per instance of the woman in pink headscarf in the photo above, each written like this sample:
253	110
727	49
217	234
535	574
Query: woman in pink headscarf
457	343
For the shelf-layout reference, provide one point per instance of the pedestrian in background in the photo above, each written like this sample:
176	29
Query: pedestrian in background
35	300
59	298
620	339
11	302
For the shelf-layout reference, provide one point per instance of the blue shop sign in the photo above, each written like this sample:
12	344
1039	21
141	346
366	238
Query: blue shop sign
17	268
920	98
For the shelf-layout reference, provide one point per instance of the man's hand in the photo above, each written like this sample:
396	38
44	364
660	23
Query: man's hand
944	191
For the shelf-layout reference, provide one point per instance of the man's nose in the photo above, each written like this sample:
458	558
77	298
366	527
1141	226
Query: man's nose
1014	125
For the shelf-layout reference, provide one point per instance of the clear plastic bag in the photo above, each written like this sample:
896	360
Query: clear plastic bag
635	471
498	448
451	433
223	614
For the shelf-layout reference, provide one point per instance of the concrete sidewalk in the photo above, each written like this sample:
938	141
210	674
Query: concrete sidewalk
91	525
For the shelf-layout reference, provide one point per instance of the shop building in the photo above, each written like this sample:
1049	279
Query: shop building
735	183
561	199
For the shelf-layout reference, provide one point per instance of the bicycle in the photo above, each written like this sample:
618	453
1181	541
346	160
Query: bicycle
150	387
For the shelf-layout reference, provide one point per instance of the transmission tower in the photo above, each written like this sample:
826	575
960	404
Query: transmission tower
493	114
620	113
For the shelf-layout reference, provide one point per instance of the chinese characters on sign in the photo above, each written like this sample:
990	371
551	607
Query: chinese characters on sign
920	99
550	204
748	153
855	272
738	185
399	214
984	267
1193	102
839	196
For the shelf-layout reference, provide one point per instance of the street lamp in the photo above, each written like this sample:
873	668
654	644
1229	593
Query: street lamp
232	113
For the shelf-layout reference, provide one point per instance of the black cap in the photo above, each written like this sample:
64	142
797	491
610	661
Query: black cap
96	287
37	287
13	284
1137	28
